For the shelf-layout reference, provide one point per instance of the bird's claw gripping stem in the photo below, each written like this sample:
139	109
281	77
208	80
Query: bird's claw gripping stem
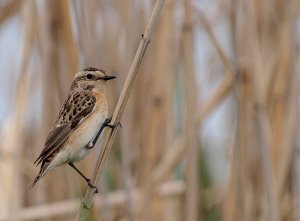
112	126
92	186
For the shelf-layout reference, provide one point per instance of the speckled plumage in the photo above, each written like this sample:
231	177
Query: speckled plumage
80	118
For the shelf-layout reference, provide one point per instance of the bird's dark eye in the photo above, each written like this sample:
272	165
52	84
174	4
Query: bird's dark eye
89	76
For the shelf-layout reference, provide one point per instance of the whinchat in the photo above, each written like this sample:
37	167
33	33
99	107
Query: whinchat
80	122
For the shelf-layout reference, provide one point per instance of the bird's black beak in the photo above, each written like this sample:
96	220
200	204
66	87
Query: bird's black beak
107	78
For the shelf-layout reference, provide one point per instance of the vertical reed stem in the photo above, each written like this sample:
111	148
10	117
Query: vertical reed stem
110	136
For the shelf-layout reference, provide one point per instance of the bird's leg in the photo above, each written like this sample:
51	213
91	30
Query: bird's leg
91	144
89	182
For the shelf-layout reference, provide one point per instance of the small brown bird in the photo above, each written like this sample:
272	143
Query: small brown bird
80	122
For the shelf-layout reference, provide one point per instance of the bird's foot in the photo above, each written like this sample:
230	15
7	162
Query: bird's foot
112	126
89	182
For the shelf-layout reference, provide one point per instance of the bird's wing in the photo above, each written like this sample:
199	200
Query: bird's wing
73	112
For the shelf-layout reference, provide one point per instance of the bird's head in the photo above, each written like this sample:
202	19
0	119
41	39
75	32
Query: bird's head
92	79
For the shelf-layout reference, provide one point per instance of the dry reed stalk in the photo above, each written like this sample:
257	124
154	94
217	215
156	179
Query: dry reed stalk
290	166
292	105
127	176
233	195
263	126
170	207
294	108
149	154
279	105
236	206
264	141
296	162
87	201
158	128
191	212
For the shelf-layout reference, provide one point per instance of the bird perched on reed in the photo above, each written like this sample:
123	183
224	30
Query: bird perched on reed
80	122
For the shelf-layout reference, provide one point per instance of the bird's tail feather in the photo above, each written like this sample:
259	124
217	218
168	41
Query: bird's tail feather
44	169
37	178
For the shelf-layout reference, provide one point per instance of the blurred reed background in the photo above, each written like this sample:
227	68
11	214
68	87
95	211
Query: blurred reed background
210	130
